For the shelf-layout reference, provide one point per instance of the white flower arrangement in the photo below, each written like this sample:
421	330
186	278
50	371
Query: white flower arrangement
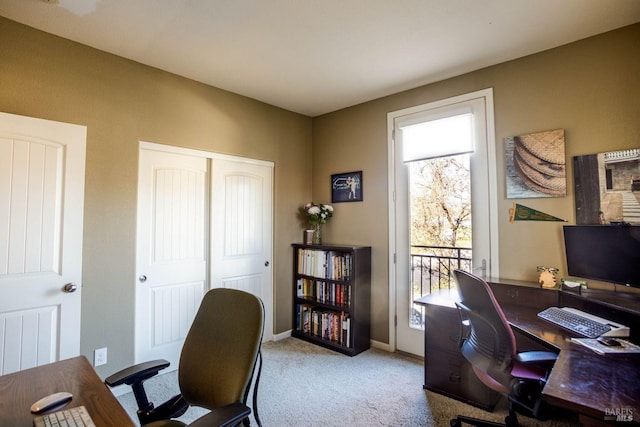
318	213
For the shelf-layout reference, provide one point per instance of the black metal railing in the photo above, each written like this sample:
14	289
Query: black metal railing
431	270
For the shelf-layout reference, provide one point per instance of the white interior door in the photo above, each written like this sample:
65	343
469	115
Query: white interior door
42	167
172	248
241	229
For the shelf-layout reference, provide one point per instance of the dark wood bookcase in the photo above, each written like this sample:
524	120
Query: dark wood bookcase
332	296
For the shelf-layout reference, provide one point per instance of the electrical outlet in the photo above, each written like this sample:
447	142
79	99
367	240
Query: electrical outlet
100	356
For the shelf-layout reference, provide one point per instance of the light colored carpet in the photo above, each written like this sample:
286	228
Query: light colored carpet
306	385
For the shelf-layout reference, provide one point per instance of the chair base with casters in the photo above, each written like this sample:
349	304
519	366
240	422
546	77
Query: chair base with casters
527	402
219	361
487	342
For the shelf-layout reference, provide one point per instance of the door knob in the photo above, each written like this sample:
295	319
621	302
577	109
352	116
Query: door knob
70	287
142	278
266	263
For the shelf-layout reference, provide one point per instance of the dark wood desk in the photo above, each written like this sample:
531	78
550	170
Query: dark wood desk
588	383
595	386
18	391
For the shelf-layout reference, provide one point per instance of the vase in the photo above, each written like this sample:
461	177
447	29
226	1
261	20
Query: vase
316	235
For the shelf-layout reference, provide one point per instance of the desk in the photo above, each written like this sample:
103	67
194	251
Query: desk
590	384
18	391
595	386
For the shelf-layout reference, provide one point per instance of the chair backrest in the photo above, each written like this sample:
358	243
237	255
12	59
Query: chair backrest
490	345
221	348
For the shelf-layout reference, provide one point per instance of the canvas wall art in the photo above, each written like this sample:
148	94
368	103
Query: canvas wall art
535	164
607	187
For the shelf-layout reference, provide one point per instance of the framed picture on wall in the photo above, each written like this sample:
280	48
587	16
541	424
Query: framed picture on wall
607	187
346	187
535	164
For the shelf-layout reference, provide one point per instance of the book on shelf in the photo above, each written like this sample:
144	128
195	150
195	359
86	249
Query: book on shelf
328	325
338	294
331	265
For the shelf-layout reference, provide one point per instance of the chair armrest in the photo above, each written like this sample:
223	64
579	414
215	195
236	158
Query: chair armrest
225	416
136	373
536	357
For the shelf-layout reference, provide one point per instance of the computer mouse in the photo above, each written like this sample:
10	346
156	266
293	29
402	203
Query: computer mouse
51	401
609	341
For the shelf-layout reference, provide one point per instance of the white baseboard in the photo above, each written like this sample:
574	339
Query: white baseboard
381	345
282	335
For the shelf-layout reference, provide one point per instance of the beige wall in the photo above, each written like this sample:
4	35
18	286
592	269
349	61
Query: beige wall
590	88
122	102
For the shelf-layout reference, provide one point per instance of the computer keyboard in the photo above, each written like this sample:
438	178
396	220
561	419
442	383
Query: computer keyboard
72	417
582	323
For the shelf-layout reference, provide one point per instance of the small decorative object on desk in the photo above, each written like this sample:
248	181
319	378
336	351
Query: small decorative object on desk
317	214
547	278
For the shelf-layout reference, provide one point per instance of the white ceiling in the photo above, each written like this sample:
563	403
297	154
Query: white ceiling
318	56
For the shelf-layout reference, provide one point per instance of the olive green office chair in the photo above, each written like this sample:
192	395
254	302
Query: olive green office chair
216	367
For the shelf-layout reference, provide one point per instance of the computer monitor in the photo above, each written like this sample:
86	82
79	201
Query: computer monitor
608	253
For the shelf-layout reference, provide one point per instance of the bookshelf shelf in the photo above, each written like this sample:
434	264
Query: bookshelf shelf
332	296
